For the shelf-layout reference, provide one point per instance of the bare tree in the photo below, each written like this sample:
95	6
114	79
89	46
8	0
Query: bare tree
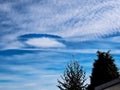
73	77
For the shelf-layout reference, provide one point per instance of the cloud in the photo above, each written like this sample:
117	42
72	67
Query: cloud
44	43
97	21
11	52
33	35
13	45
114	39
32	40
41	70
85	51
79	20
32	76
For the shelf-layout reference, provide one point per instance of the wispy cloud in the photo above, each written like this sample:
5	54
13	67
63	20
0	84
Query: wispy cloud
33	76
89	20
44	42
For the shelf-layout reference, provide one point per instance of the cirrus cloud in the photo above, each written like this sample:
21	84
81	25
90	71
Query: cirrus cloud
44	42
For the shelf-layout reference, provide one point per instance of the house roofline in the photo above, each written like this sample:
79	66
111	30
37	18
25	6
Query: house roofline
108	84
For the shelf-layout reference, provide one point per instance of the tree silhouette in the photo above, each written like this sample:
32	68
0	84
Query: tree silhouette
73	78
104	70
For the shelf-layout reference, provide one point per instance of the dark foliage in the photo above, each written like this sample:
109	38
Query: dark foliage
104	70
73	78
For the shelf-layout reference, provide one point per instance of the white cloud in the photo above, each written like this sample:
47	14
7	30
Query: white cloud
10	42
10	77
39	78
99	20
74	51
113	39
13	45
44	42
95	19
5	7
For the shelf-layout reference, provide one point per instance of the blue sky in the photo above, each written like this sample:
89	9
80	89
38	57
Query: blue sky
39	37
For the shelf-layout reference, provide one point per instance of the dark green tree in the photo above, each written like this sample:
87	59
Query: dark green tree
104	70
73	78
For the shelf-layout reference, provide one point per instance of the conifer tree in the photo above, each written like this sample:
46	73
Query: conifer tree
104	70
73	78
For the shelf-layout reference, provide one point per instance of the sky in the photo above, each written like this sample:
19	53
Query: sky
39	37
